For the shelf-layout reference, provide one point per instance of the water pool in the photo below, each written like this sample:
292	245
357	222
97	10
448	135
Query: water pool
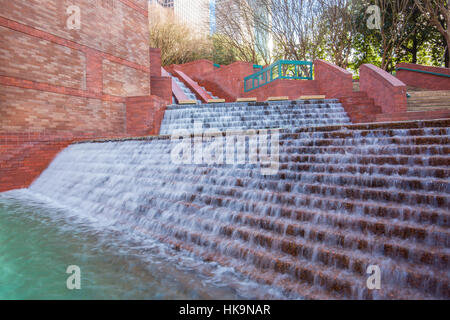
38	241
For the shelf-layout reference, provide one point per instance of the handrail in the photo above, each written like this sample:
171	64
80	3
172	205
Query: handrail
282	69
423	71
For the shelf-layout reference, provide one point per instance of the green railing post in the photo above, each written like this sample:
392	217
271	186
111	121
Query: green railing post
280	72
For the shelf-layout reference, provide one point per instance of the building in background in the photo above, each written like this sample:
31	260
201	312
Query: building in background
195	13
199	15
160	9
163	3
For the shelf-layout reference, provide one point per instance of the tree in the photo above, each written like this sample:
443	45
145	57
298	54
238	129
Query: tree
437	13
236	22
296	26
222	53
394	18
179	44
338	37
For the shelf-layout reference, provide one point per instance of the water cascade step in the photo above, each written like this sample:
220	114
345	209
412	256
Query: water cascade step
343	197
276	114
185	89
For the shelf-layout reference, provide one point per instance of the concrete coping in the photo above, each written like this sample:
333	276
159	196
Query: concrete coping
314	97
216	101
253	99
278	98
187	102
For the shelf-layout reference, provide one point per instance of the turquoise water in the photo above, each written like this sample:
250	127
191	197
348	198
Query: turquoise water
38	242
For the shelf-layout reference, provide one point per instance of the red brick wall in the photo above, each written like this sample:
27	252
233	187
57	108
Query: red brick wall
193	69
155	58
162	87
226	82
71	82
52	77
118	27
24	110
177	92
28	57
144	115
422	80
123	81
334	82
387	91
23	158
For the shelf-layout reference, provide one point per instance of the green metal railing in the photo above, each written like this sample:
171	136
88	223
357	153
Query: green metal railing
423	71
283	69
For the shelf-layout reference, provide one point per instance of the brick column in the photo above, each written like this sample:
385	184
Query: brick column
144	115
155	62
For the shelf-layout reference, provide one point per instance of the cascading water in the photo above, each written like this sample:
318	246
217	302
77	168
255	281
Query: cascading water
255	115
185	89
342	199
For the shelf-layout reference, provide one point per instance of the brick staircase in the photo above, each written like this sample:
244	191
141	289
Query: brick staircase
422	104
345	197
426	100
360	108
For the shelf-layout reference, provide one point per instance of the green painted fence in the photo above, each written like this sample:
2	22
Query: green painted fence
283	69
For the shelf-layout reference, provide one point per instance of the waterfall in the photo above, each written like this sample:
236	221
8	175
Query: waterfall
343	198
289	114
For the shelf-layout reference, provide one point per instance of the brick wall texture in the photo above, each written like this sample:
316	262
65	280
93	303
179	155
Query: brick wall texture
54	77
424	80
334	82
387	91
59	84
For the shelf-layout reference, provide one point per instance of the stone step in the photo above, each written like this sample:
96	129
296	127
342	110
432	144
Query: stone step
429	93
428	107
415	115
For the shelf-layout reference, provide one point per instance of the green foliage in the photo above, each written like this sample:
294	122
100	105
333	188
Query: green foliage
222	53
339	34
423	45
